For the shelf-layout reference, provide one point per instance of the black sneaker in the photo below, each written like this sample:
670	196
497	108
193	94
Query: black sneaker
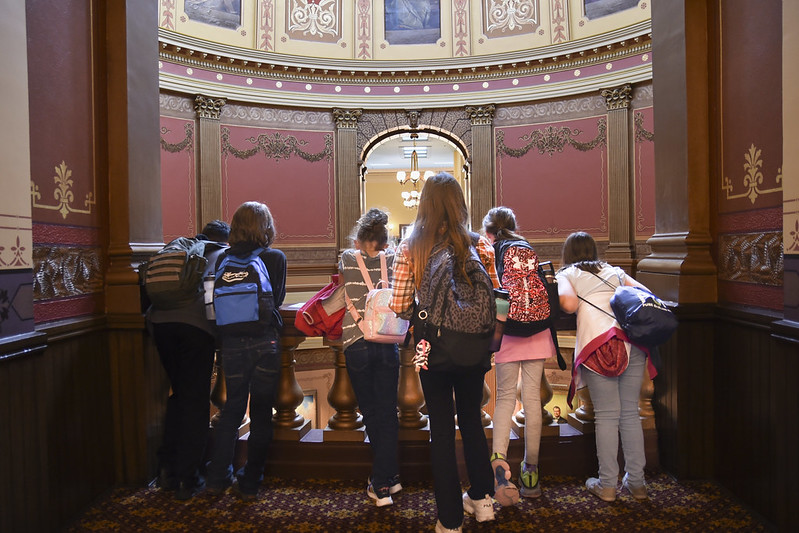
166	480
381	495
187	490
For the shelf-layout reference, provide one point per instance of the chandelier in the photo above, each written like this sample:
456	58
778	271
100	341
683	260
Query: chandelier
410	199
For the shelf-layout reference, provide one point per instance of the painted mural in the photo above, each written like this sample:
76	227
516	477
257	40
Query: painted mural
412	21
221	13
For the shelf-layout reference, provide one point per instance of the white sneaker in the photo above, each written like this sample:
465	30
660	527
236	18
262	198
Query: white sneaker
483	510
441	529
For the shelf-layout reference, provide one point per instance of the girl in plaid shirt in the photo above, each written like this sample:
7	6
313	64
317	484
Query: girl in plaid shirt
441	221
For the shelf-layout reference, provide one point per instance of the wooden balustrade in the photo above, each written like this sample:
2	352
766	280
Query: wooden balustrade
347	424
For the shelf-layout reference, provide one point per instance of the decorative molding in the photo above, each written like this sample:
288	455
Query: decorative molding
618	97
277	117
502	18
277	146
586	106
312	20
266	17
752	258
364	29
176	105
641	133
346	118
559	17
481	115
460	28
753	178
63	194
792	243
60	272
186	143
17	250
207	107
552	139
168	10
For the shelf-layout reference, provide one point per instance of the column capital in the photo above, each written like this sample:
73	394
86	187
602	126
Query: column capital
208	107
347	118
618	97
481	115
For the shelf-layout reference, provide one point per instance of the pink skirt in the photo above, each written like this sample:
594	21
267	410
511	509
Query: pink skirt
538	346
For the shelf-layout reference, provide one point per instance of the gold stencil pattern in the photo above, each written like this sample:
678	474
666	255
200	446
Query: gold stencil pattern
63	194
753	178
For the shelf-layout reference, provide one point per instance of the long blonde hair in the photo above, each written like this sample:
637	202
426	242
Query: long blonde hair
441	219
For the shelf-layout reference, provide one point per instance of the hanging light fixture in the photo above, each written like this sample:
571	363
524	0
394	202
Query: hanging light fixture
410	199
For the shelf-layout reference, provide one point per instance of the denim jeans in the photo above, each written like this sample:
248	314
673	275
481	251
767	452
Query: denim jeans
507	378
467	386
616	412
252	370
374	373
187	354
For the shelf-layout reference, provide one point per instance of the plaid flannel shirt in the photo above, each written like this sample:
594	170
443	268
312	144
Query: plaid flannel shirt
405	287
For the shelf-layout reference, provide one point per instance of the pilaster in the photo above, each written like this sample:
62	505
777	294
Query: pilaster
209	174
482	186
348	186
621	244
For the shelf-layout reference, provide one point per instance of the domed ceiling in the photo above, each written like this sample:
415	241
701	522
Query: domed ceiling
396	53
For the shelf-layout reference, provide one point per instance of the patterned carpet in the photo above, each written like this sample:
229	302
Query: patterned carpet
311	505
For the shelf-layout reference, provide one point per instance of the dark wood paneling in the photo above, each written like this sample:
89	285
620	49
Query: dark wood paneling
684	395
755	400
55	450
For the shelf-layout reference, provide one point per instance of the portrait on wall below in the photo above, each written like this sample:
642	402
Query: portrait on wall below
600	8
413	21
222	13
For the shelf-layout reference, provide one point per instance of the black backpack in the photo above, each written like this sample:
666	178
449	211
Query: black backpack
456	315
172	277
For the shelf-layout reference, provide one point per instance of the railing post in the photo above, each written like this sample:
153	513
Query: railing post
288	424
346	424
410	397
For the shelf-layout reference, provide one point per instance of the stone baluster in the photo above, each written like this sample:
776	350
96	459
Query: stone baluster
410	397
288	424
346	424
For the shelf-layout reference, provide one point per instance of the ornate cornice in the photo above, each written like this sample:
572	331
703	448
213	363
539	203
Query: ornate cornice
618	97
347	118
481	115
208	107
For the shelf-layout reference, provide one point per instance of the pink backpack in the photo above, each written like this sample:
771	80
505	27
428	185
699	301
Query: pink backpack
379	322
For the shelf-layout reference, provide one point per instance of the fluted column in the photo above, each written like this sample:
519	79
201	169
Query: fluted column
620	186
348	185
209	172
482	179
346	424
410	398
288	424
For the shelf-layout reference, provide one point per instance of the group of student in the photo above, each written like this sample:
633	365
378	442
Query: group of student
605	361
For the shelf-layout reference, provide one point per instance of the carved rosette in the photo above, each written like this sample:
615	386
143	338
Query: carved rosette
482	115
347	118
207	107
618	97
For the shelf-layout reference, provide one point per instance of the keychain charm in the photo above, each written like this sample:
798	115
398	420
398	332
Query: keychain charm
422	352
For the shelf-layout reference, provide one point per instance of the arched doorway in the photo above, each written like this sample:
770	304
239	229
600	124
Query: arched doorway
387	181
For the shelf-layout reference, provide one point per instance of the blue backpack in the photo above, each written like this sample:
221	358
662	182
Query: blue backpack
243	299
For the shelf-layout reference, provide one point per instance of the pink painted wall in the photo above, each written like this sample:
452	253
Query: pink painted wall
290	171
178	179
553	187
